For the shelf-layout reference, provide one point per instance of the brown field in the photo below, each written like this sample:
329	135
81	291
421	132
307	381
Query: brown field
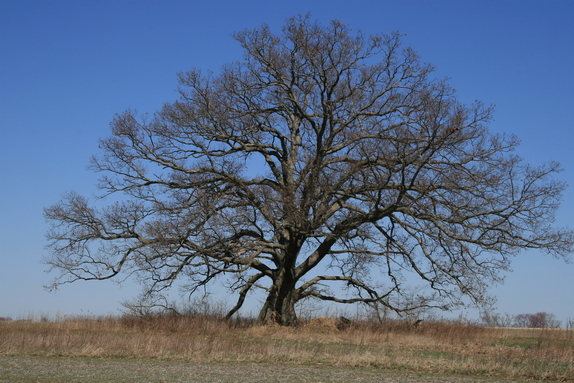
448	349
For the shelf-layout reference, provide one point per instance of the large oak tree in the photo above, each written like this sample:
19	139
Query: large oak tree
324	165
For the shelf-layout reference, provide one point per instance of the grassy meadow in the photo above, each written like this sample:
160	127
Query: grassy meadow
445	347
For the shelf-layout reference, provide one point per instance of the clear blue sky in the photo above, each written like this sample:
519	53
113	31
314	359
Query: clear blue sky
66	67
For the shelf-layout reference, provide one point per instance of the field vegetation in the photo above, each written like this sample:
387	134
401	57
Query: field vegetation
445	347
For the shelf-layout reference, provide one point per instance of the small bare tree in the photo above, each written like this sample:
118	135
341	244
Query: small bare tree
324	158
493	319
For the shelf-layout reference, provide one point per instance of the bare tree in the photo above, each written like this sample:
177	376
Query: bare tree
493	319
324	165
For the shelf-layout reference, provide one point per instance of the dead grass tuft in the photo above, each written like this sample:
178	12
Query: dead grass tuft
322	325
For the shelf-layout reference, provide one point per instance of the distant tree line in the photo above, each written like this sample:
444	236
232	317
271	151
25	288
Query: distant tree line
537	320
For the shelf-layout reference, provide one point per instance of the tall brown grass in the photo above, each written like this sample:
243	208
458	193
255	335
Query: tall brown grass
436	346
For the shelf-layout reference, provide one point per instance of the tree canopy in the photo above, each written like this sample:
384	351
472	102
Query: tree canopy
324	165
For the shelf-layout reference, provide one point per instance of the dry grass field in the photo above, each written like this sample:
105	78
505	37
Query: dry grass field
443	348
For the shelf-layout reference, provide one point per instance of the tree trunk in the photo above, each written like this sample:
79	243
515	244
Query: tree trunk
279	306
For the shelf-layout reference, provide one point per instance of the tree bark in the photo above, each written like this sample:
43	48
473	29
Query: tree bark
279	306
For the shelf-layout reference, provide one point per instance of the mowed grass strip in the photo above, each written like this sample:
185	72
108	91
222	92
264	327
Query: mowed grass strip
27	369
